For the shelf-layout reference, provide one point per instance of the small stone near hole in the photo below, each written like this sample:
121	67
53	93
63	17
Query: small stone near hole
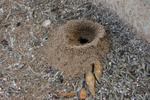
83	41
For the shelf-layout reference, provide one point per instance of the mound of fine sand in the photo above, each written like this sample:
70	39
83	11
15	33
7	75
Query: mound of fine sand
76	45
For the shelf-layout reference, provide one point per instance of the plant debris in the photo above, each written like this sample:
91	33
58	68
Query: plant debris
24	74
83	93
98	68
66	94
90	80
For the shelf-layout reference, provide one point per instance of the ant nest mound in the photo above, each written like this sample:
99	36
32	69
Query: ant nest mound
76	45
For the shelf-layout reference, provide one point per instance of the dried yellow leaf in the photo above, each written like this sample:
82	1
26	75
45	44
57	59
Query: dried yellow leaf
98	68
83	93
90	80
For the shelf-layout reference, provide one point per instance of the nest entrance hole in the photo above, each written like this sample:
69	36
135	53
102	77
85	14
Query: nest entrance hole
80	34
83	40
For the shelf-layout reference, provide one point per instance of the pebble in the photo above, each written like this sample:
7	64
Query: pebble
46	23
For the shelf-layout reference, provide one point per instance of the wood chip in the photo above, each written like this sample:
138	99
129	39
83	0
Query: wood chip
69	94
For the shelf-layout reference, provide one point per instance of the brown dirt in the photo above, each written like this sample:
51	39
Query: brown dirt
76	45
25	75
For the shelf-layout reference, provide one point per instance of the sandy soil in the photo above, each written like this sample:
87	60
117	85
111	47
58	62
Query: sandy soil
25	26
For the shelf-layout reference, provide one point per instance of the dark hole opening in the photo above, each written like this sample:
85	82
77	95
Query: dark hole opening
83	40
18	24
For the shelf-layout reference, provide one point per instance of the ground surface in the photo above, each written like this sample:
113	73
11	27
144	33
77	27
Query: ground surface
26	76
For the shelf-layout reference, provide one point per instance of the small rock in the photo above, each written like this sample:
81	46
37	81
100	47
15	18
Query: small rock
46	23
